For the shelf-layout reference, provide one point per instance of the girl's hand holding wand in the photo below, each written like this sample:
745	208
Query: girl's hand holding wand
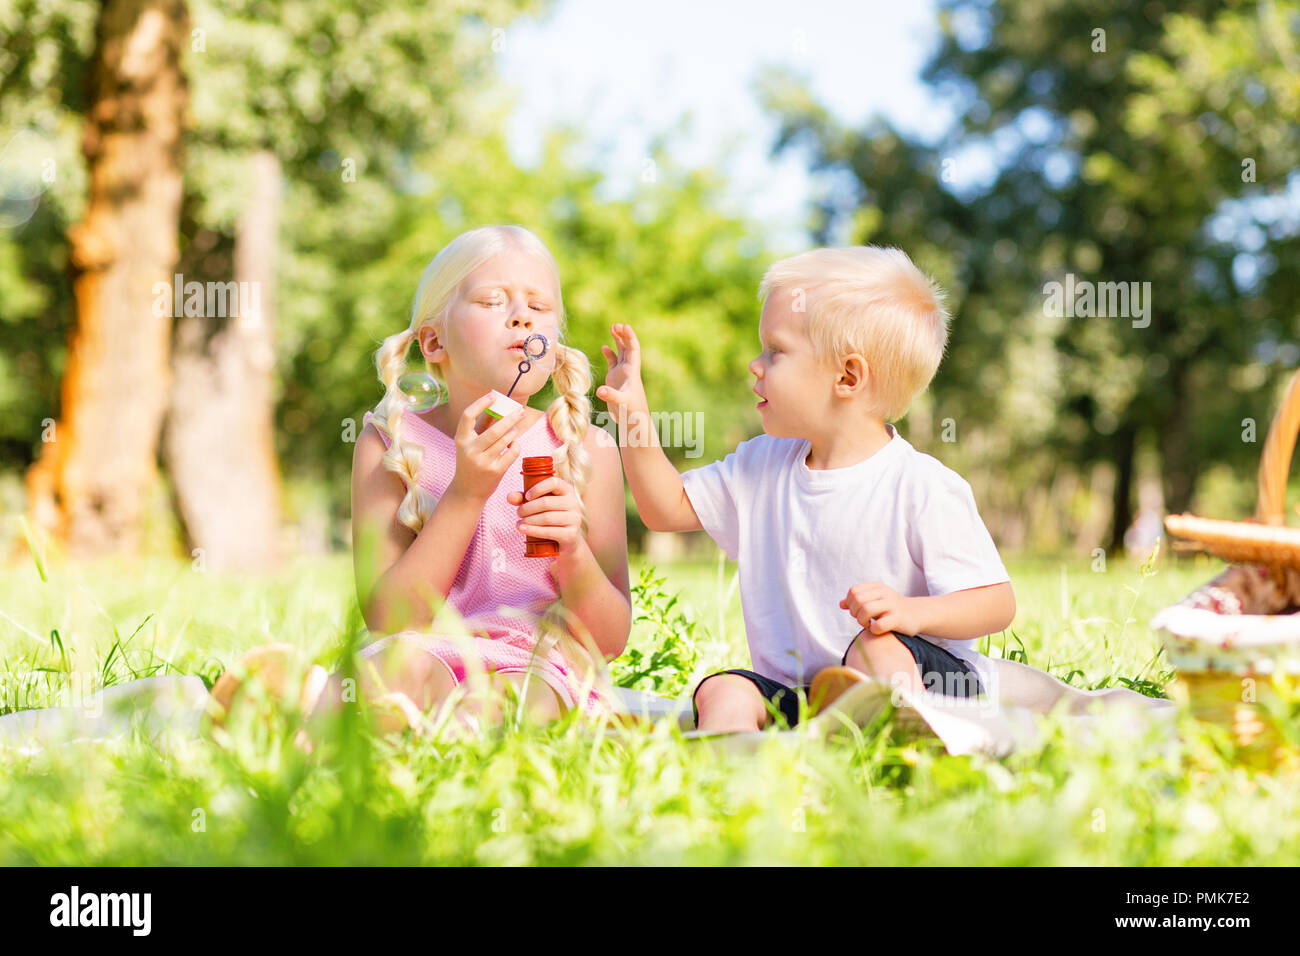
481	460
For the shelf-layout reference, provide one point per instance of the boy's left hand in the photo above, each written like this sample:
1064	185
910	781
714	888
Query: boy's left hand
881	609
552	510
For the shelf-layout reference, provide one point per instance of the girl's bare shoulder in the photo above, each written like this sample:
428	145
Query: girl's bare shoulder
600	445
606	465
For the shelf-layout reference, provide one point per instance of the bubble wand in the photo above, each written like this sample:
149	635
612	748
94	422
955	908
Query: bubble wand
526	365
503	405
536	468
422	391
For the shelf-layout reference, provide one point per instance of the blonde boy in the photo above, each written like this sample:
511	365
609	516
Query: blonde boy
858	555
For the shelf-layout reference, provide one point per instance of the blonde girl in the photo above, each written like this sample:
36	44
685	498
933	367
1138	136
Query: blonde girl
439	521
443	504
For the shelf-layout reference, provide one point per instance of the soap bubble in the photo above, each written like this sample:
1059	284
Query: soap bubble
420	389
22	160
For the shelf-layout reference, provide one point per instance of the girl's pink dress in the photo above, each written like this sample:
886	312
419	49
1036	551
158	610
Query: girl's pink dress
497	591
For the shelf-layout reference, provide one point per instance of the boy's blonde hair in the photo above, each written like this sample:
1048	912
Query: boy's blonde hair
874	301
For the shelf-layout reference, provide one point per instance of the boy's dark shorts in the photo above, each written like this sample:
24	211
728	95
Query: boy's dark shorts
940	671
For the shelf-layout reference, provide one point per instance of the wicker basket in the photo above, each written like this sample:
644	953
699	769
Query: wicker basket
1265	540
1235	642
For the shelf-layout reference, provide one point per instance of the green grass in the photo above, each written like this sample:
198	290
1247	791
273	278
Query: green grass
564	794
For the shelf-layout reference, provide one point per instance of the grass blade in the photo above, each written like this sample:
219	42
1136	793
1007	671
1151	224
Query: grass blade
31	546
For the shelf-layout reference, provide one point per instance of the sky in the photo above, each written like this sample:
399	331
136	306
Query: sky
622	72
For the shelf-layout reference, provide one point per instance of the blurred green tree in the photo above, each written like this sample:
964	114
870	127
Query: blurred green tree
364	153
1131	144
322	103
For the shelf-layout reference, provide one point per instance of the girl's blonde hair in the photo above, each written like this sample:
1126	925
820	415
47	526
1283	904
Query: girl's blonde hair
569	413
871	300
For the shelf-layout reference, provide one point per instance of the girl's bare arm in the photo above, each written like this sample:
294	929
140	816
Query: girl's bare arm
402	577
593	578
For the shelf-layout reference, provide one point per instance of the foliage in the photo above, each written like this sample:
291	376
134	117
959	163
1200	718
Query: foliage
674	647
1117	139
389	148
558	794
344	93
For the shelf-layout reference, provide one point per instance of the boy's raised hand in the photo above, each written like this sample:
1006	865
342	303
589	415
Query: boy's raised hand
623	388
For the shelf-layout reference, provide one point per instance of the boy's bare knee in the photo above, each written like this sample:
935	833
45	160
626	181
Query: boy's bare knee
730	700
884	657
855	658
717	688
876	654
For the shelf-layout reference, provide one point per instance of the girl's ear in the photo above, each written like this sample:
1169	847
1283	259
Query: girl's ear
430	347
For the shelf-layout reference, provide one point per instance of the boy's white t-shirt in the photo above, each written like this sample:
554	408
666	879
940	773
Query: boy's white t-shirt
803	537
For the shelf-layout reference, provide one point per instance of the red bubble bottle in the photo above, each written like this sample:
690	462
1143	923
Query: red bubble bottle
538	468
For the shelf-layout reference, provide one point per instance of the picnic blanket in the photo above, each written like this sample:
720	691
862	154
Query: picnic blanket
152	704
1006	721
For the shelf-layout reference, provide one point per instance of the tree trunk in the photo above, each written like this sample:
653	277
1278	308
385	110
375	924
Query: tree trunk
1178	471
97	465
219	442
1121	510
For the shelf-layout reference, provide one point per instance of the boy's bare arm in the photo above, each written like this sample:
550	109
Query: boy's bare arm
657	488
966	615
959	616
656	485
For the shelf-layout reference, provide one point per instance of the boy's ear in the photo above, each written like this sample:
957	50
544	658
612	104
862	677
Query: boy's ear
854	374
430	347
